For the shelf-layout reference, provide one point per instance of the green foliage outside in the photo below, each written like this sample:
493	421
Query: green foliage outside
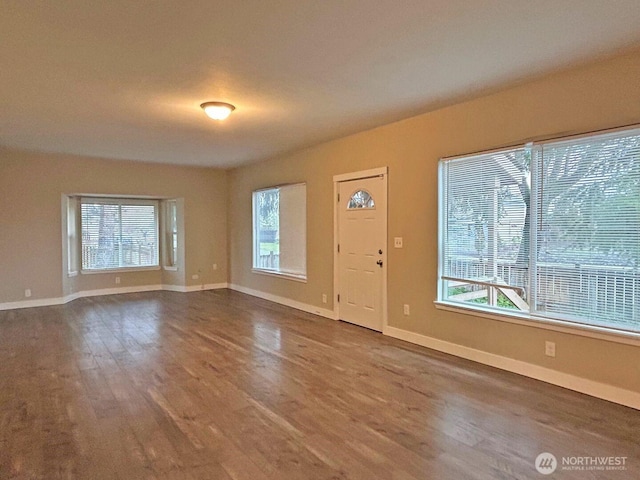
267	248
503	301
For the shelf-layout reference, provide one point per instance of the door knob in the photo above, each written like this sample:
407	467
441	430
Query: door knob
379	262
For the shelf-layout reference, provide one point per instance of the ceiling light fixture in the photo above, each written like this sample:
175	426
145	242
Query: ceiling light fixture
217	110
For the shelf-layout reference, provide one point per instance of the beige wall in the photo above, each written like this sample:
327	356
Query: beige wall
31	190
602	95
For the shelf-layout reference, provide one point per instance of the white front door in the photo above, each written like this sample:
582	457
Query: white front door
362	222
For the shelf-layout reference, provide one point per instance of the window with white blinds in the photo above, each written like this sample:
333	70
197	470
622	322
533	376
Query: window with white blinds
574	203
486	228
588	230
118	233
280	230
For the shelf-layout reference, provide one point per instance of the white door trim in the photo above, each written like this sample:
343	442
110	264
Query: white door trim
374	172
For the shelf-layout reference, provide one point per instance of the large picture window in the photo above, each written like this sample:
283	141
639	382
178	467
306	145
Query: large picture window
280	230
550	230
118	234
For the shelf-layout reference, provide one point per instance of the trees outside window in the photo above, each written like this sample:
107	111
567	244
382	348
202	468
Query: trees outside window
279	230
118	234
551	229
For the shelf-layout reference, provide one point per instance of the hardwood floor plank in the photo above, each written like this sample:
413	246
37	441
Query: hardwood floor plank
221	385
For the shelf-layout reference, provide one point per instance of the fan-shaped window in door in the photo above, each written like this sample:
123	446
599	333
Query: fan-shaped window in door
361	199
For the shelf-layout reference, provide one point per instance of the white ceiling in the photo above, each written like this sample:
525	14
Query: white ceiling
125	78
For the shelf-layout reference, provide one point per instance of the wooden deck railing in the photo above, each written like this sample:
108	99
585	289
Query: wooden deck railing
270	260
612	293
109	257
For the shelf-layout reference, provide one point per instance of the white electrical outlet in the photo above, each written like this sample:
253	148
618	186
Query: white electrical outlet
405	309
195	277
550	349
324	298
215	266
397	242
118	280
27	292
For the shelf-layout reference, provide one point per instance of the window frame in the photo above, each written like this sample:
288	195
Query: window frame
170	241
532	317
120	201
73	248
289	275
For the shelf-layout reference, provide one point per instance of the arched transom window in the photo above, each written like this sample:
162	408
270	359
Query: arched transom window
361	199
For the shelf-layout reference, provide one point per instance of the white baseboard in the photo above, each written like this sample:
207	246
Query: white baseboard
40	302
45	302
323	312
195	288
112	291
175	288
572	382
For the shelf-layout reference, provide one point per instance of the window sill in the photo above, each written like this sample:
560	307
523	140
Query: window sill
120	270
287	276
170	269
526	319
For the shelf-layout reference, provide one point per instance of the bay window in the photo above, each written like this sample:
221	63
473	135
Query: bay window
118	234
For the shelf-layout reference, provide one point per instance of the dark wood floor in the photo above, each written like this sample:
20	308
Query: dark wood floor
220	385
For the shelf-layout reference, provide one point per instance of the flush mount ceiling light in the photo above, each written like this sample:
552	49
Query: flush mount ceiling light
217	110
